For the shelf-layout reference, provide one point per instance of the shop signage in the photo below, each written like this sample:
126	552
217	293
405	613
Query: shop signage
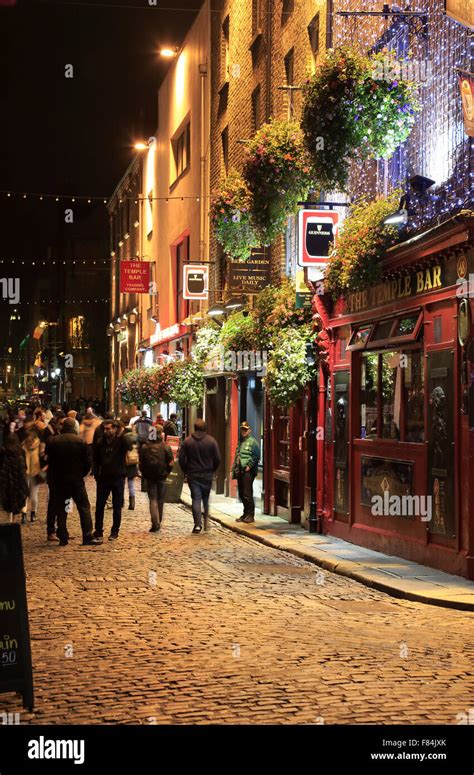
303	293
317	236
462	11
249	276
166	334
15	654
410	284
134	277
196	281
466	84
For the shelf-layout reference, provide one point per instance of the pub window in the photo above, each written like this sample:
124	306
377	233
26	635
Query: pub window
286	10
225	50
181	151
359	337
392	396
182	254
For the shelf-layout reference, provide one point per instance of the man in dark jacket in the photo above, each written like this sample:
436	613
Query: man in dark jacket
68	464
245	469
156	463
109	471
199	458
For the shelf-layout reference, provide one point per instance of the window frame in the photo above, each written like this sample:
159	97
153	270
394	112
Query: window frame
390	340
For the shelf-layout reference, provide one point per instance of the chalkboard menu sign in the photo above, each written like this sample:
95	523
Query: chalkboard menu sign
16	673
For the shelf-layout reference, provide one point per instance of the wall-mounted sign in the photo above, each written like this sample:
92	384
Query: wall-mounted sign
317	232
167	334
303	293
249	276
405	286
466	84
462	11
134	277
196	281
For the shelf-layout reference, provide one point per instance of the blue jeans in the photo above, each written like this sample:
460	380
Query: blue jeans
200	491
131	487
104	488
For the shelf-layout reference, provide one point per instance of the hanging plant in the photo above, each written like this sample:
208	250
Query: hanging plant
353	107
187	383
363	239
130	388
287	370
274	309
207	343
278	174
231	218
239	333
146	385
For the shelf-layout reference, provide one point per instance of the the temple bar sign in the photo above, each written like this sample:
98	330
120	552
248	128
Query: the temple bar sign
407	285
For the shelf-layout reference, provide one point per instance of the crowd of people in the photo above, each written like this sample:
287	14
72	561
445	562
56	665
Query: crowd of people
59	447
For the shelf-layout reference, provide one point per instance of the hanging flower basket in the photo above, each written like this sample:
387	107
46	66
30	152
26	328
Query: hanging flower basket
278	174
363	239
239	333
231	218
287	370
187	383
355	107
207	343
146	385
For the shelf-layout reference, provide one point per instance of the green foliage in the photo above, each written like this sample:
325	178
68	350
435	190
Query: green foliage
355	107
355	263
146	385
287	370
231	218
207	342
239	332
187	383
278	175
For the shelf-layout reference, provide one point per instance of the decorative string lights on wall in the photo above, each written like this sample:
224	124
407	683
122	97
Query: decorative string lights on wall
71	199
438	147
98	263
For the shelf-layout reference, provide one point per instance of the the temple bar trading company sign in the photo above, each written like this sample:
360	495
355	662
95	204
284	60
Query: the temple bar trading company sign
134	277
249	276
410	284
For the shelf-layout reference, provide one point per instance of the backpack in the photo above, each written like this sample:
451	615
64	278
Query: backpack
153	461
142	428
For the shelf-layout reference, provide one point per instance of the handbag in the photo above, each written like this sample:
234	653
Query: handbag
131	458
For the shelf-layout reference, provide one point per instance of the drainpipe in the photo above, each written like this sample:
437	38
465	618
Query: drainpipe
202	197
268	109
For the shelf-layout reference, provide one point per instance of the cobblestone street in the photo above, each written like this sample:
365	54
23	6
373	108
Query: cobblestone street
175	628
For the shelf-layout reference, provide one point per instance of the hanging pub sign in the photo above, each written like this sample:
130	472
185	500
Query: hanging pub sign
462	11
466	84
16	673
196	281
134	277
317	236
249	276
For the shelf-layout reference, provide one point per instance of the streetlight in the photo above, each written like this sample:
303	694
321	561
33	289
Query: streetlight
169	52
312	433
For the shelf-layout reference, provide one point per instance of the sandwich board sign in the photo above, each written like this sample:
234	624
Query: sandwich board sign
16	673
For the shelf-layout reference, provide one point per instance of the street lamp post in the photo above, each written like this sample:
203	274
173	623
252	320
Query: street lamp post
312	433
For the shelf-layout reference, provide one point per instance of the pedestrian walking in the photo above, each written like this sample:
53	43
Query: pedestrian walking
131	460
87	429
245	469
13	484
33	450
72	414
68	464
170	427
142	428
156	463
199	458
109	471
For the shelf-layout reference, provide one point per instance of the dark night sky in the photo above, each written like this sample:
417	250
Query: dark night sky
74	136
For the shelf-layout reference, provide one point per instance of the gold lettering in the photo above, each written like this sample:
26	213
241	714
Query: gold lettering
428	284
407	284
437	276
419	282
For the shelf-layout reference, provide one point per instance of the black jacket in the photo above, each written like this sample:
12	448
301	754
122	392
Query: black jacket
109	457
67	458
199	455
156	460
13	486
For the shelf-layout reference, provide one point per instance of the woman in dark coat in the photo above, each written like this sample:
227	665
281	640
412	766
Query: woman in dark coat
131	461
13	483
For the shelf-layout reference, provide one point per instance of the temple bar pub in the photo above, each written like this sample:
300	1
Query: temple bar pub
402	404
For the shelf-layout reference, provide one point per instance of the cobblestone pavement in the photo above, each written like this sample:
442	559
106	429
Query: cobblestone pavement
174	628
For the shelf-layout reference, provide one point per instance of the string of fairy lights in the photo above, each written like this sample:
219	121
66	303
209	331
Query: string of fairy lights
93	199
438	147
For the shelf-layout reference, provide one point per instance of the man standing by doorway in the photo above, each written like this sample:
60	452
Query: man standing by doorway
245	469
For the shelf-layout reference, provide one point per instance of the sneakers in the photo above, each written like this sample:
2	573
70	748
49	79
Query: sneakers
241	519
52	537
248	520
97	535
113	537
90	541
154	528
63	542
197	529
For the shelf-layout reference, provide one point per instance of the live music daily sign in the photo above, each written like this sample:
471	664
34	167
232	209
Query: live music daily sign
16	673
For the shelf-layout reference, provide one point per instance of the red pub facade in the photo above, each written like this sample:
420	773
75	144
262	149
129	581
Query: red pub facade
399	408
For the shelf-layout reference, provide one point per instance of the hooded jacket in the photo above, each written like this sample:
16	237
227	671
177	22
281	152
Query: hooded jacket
199	455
